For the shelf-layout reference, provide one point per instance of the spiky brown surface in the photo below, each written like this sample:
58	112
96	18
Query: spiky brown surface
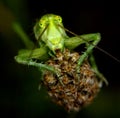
71	89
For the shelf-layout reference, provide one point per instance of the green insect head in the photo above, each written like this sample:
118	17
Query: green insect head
50	30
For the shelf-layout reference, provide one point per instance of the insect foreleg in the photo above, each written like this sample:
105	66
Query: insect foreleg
35	64
95	38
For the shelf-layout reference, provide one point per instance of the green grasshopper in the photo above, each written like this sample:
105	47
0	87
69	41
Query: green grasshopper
51	36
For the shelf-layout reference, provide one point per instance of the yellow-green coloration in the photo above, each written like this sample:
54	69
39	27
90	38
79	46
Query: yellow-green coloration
51	35
54	35
66	81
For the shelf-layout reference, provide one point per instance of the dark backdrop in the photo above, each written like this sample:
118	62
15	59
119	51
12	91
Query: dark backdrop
19	84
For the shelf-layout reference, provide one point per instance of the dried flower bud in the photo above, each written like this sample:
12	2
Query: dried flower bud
71	89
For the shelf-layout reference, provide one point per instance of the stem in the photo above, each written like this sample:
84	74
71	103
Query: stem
23	36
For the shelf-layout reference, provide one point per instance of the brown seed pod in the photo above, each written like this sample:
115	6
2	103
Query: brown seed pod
71	89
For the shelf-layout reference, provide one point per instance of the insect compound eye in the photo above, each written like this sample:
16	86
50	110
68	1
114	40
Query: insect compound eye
58	18
42	23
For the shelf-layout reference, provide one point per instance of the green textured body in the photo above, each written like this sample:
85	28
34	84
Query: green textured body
51	36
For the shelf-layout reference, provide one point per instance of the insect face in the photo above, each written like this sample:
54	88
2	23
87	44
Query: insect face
52	35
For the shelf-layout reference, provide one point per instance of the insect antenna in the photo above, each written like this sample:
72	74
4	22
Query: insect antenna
97	47
38	40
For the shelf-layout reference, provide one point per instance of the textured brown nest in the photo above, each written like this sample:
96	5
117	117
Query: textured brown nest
71	89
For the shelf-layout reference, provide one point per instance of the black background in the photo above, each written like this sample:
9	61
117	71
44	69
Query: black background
20	96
